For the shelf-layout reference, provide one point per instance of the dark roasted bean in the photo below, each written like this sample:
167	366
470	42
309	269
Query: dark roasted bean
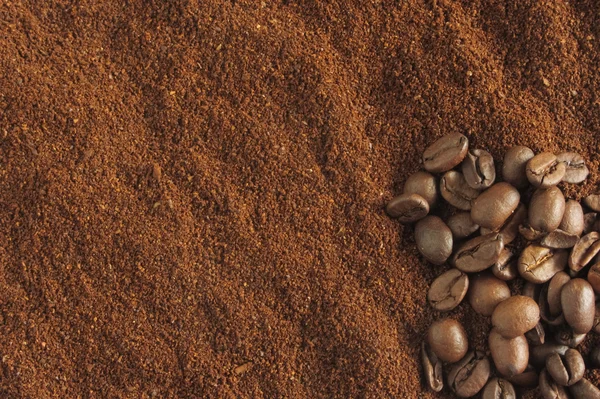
486	292
495	205
433	239
550	389
589	222
448	290
537	335
577	299
498	388
572	221
469	375
593	277
539	354
445	153
546	209
539	264
553	292
543	170
408	208
478	253
424	184
545	314
584	389
559	239
529	233
566	369
527	379
576	171
584	251
515	316
510	355
565	335
448	340
593	202
461	225
432	367
506	267
515	162
456	191
595	357
478	169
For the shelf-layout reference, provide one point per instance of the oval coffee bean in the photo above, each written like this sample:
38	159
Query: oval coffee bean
498	388
510	230
589	222
595	357
510	355
545	314
445	153
461	225
515	162
584	251
550	389
544	170
469	375
566	369
564	335
486	292
593	277
408	208
506	267
537	335
539	264
456	191
432	367
578	302
527	379
448	290
584	389
559	239
593	202
572	221
478	169
515	316
433	239
424	184
448	340
576	171
479	253
529	233
495	205
553	293
539	354
546	209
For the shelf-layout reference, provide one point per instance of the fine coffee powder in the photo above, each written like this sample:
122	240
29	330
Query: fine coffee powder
192	192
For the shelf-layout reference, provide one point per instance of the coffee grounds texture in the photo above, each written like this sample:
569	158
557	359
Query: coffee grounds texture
192	192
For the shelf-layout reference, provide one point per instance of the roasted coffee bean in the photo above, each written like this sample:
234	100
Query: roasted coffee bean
515	162
576	171
432	367
537	335
448	290
531	290
539	264
584	251
448	340
593	277
593	202
589	222
529	233
510	229
539	354
408	208
495	205
486	292
478	253
553	292
424	184
550	389
595	357
584	389
510	355
572	221
565	369
469	375
515	316
544	170
527	379
577	299
545	314
565	335
498	388
461	225
433	239
546	209
456	191
506	267
478	169
559	239
445	153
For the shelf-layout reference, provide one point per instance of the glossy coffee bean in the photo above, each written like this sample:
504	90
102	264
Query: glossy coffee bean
470	374
550	389
515	316
589	222
539	264
461	225
424	184
537	335
486	292
553	292
544	170
545	314
432	368
593	202
495	205
595	357
506	267
445	153
558	239
529	233
540	353
572	221
408	208
456	191
584	389
577	299
515	162
546	209
478	169
566	369
527	379
433	239
510	230
510	355
593	277
448	290
575	171
584	251
478	253
498	388
448	340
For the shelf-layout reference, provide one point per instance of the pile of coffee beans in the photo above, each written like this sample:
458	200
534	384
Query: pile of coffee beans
519	230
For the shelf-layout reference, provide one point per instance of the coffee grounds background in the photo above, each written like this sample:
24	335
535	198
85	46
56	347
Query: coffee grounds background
192	192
